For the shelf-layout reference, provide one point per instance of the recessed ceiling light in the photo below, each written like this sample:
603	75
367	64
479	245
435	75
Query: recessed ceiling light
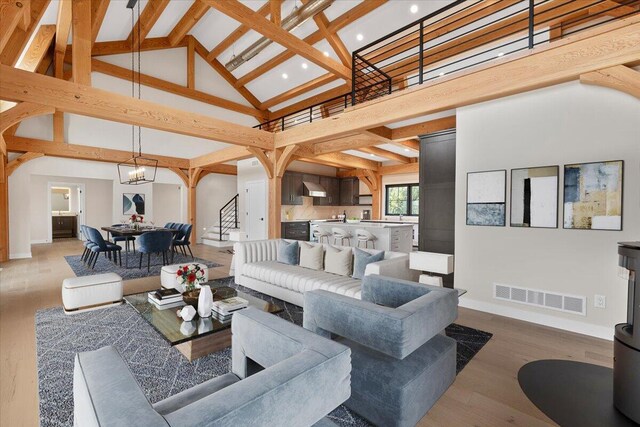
441	74
501	54
304	65
407	150
372	155
414	8
326	53
285	76
360	37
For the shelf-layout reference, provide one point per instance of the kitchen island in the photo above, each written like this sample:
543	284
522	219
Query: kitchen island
389	237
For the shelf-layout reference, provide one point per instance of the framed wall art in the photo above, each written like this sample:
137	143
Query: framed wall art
486	198
132	203
534	197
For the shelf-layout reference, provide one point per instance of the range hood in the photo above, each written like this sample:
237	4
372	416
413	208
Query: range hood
314	190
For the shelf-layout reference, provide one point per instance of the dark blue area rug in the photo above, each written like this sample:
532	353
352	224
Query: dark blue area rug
160	369
105	265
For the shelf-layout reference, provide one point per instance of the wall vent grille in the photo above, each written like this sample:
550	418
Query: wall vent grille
545	299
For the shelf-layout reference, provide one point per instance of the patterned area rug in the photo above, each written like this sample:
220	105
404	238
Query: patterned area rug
160	369
104	265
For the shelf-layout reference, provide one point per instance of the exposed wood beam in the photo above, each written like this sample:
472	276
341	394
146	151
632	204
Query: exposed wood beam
235	35
220	69
381	133
429	126
619	78
340	160
20	37
191	63
285	159
18	113
123	73
148	17
262	158
386	154
63	26
220	156
4	210
352	142
413	144
400	169
81	41
332	38
565	60
299	90
342	21
12	14
181	174
19	161
18	85
187	22
275	9
38	48
245	15
122	46
611	8
98	12
58	126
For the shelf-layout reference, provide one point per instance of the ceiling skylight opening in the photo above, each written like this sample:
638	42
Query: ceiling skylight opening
413	8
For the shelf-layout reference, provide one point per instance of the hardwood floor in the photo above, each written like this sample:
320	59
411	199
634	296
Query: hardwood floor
486	393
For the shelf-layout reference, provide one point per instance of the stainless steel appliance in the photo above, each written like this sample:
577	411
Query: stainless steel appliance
366	214
626	345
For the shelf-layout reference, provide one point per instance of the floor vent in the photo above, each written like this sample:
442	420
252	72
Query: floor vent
552	300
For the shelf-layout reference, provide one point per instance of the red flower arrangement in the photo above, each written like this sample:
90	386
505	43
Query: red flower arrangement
190	275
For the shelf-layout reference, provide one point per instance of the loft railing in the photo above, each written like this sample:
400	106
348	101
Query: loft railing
464	34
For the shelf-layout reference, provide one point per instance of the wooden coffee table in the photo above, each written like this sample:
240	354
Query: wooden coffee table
201	336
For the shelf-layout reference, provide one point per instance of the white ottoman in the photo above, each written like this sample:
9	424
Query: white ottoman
168	274
91	292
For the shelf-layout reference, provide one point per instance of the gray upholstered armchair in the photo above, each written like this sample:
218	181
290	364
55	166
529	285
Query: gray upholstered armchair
304	378
402	360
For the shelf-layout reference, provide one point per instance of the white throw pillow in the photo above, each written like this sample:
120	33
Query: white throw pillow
338	261
311	256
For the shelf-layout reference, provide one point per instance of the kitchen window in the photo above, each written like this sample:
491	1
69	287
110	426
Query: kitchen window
402	199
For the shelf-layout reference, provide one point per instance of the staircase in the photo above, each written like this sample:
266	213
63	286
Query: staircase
218	235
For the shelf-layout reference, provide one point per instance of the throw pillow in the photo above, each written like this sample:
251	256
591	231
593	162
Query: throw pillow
363	258
311	256
338	261
288	252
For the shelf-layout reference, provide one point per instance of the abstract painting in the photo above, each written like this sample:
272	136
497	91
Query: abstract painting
534	197
593	195
486	196
132	203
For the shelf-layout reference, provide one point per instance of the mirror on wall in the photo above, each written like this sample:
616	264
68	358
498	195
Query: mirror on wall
60	199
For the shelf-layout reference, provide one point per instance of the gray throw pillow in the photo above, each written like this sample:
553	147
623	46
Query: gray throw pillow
338	261
363	258
311	256
288	252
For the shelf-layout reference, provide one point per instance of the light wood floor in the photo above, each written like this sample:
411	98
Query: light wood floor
486	393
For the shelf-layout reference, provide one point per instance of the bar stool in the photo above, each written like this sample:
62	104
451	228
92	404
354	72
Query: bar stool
365	237
319	234
342	235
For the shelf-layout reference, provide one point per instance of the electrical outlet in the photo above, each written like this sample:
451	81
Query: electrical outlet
599	301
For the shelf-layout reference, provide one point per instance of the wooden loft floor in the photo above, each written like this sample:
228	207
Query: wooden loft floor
485	394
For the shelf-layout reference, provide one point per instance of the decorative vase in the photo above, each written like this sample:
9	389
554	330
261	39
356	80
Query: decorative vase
205	301
191	297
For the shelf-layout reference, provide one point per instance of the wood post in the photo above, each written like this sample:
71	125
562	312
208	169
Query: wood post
275	195
81	41
4	210
373	181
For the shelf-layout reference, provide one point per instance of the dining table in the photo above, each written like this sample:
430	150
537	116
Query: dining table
128	230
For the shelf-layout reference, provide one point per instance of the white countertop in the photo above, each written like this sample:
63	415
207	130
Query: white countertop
364	225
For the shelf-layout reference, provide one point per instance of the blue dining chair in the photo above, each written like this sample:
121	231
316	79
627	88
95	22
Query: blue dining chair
169	225
102	246
125	239
87	243
153	242
182	239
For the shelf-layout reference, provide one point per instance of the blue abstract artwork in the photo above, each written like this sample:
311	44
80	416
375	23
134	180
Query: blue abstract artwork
132	203
486	198
485	214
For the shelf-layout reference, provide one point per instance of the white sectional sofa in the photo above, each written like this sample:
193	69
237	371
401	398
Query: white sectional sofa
256	267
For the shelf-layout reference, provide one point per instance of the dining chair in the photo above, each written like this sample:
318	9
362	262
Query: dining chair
153	242
182	240
125	239
87	243
102	246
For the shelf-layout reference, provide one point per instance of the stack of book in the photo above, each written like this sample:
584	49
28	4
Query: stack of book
165	298
223	309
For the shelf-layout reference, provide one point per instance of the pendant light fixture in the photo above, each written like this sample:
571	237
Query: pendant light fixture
137	170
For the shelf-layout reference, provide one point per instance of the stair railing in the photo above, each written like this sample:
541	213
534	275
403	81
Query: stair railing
228	216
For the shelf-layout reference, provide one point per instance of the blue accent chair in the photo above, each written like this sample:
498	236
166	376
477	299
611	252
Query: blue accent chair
125	239
102	246
181	241
87	244
402	360
155	242
169	225
280	375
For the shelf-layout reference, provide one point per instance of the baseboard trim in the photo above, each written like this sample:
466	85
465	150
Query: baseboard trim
22	255
540	319
39	241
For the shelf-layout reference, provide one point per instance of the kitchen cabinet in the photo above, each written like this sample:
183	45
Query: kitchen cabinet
63	226
292	189
349	191
298	230
332	187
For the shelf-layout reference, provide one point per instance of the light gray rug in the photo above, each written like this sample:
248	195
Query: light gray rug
160	369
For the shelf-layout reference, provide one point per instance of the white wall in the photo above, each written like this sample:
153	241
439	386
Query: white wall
166	203
569	123
212	193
